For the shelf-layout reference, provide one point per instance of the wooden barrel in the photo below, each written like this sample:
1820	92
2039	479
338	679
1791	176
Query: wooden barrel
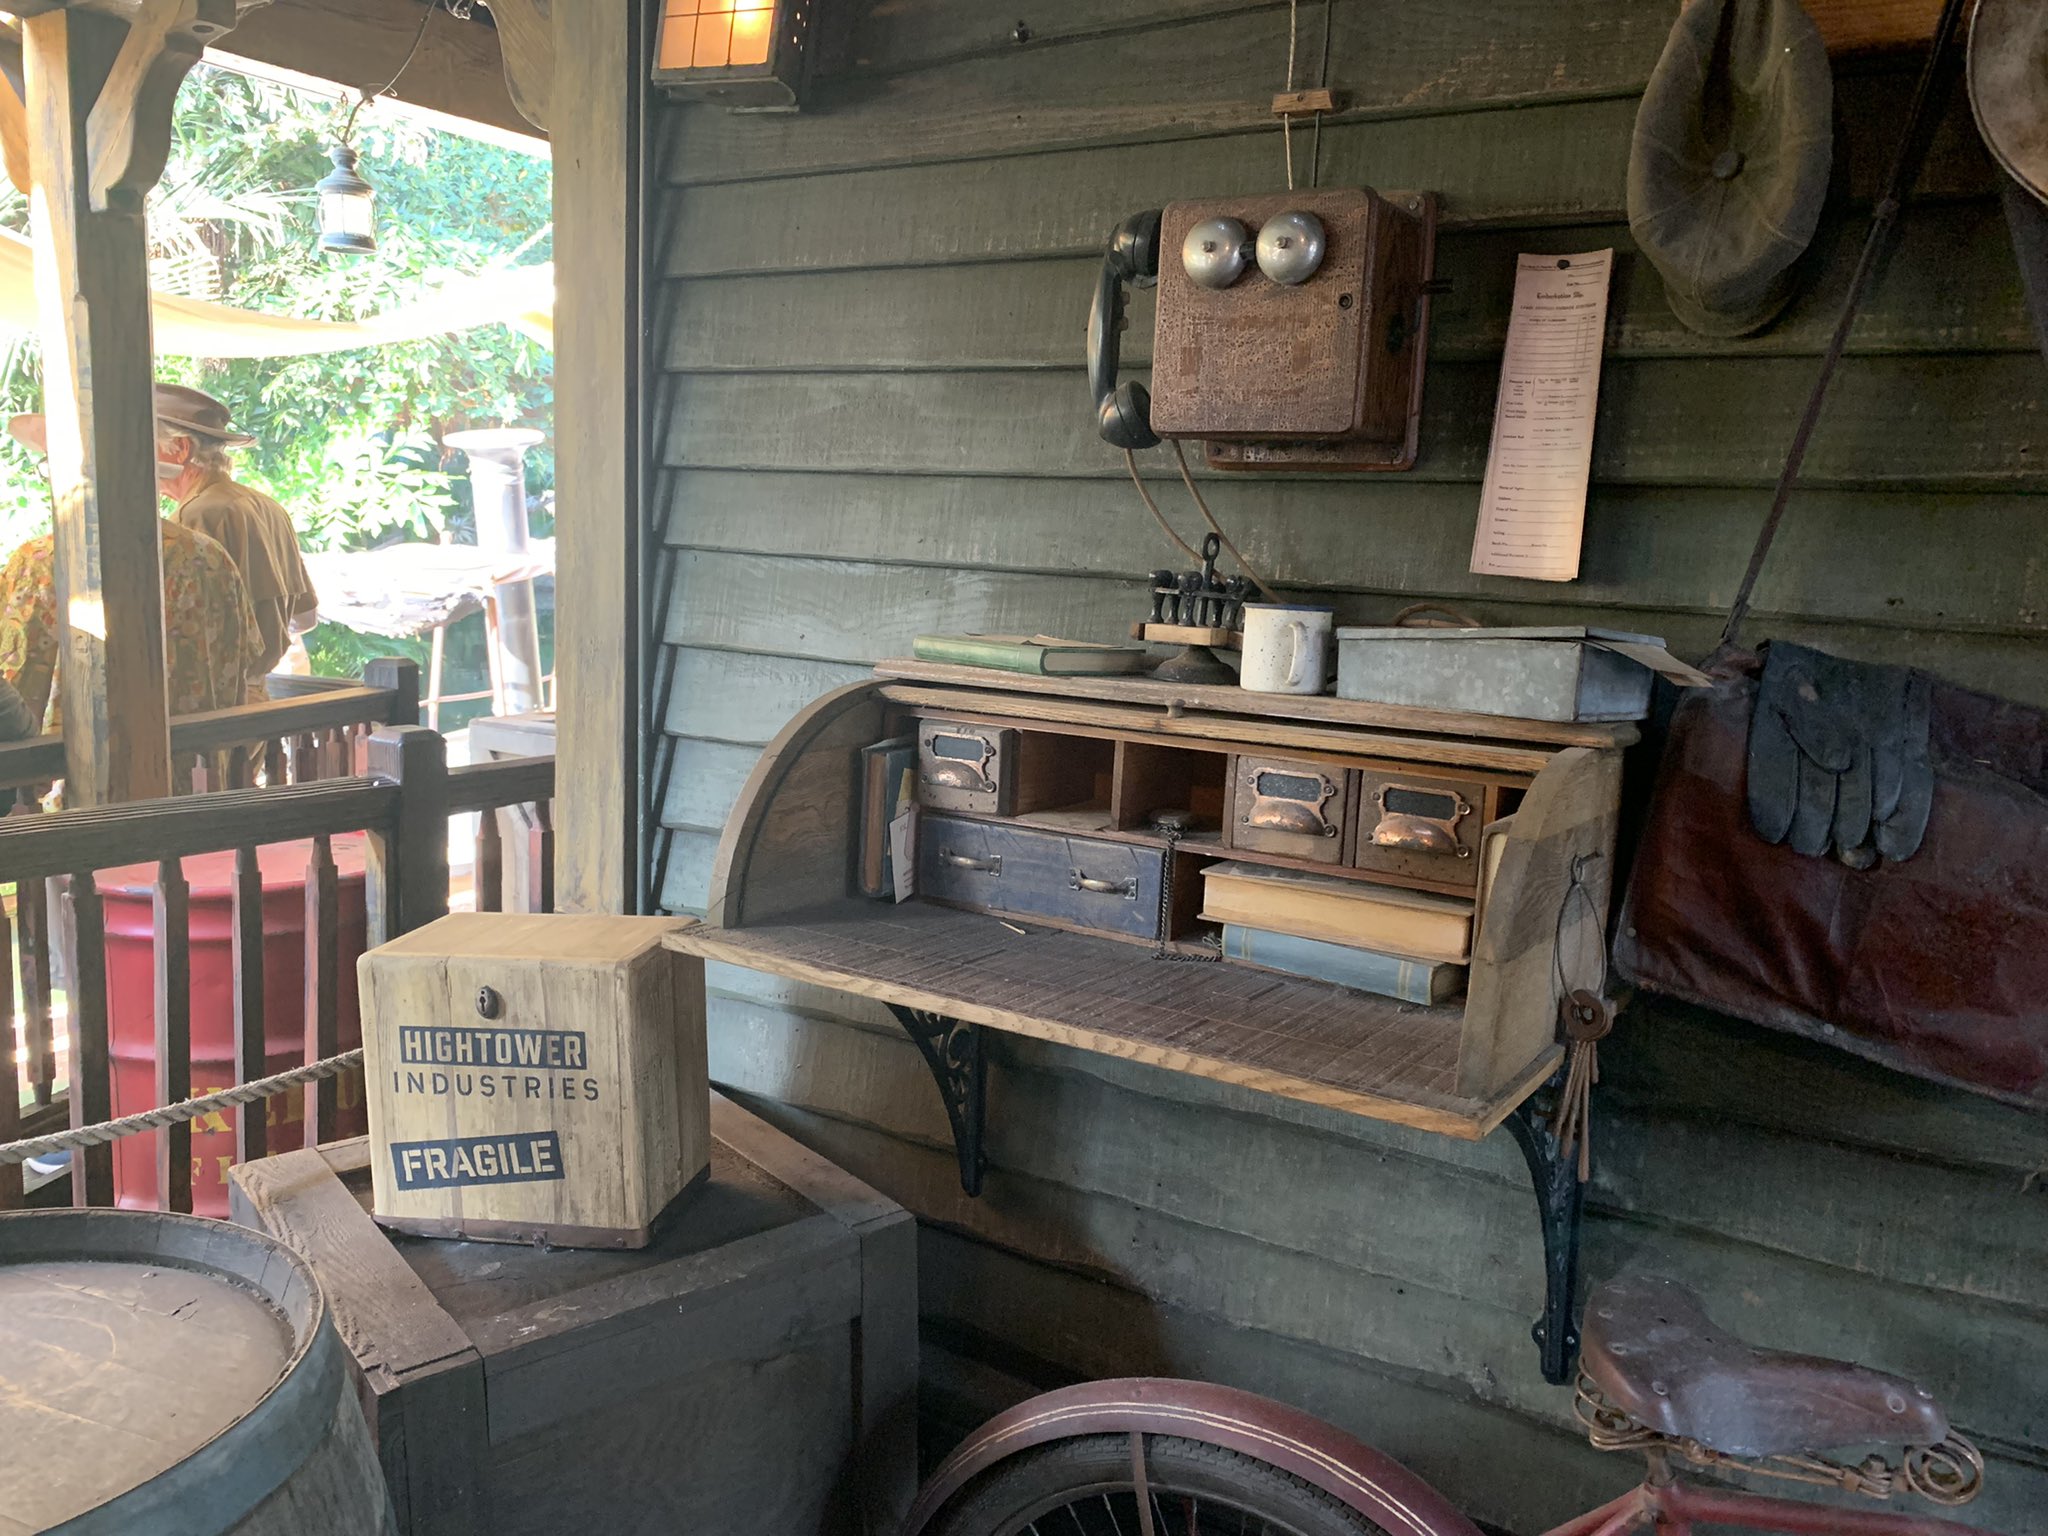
175	1376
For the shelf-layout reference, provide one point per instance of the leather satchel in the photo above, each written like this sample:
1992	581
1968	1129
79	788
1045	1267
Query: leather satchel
1926	953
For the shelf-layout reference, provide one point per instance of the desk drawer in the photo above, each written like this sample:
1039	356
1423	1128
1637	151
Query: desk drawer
1032	872
1296	808
1419	827
963	767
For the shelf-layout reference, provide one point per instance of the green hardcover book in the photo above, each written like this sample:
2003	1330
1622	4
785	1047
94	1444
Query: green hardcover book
1367	970
1039	655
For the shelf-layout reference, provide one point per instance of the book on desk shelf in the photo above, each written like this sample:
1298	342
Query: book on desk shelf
1363	970
1038	655
1383	917
888	783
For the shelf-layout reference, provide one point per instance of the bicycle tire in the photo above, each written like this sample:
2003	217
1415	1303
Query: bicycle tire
1083	1487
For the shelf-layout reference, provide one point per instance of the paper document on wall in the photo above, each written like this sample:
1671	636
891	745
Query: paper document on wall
1532	509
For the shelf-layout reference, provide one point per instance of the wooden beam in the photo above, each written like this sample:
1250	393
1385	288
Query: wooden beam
129	131
359	44
597	448
1862	26
526	37
92	286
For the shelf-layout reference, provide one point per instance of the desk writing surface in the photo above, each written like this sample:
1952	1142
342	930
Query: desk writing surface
1300	1039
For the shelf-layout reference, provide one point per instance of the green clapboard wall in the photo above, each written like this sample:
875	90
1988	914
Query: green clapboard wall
872	421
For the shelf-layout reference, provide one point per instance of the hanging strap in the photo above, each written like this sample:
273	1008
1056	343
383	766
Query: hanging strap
1929	97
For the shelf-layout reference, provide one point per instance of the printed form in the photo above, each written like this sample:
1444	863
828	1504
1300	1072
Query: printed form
1532	509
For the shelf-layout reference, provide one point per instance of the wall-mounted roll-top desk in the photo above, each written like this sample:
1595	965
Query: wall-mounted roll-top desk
1090	765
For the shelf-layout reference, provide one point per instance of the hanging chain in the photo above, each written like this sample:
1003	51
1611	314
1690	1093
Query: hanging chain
1173	827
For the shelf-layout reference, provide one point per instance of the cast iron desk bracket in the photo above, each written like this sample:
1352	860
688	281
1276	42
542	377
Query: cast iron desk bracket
952	1048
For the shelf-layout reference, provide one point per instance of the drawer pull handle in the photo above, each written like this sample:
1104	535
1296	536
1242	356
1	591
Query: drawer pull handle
1128	889
1420	821
958	760
992	865
1291	802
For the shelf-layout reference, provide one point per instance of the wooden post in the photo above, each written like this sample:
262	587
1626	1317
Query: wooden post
99	94
170	907
406	884
594	109
402	676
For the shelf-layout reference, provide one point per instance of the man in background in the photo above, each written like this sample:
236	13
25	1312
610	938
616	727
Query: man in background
193	436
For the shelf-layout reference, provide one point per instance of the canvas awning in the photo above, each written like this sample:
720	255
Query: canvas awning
522	298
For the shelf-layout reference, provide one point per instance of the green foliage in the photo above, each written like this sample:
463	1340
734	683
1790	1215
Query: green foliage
350	442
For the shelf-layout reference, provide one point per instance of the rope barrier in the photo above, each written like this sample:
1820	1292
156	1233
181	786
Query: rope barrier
174	1114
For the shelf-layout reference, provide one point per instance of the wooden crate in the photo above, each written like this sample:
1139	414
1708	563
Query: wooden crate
754	1368
534	1078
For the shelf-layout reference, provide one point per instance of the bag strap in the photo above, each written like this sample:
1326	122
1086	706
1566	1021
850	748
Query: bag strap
1930	95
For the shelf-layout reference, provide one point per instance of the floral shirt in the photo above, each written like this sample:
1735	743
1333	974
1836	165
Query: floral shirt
211	642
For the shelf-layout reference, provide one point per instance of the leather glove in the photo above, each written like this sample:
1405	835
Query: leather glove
1838	756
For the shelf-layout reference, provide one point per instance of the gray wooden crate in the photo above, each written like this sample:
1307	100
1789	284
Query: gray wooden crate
753	1368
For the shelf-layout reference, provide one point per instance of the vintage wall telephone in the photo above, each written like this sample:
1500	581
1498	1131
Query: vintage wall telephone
1292	328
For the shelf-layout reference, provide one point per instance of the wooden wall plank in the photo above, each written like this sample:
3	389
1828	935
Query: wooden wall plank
747	696
1950	285
1211	75
1890	421
1886	559
722	596
1309	1293
1542	164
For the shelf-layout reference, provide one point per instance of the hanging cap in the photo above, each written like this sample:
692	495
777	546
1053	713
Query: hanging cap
1729	165
179	408
2008	72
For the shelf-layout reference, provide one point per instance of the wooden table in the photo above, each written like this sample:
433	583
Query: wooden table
781	902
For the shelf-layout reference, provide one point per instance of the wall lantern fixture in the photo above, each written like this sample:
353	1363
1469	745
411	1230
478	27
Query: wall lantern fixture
746	54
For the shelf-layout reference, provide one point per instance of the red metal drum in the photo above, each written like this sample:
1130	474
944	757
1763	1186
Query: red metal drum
131	1006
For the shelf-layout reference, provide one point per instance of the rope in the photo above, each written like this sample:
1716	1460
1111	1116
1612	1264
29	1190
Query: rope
1287	120
174	1114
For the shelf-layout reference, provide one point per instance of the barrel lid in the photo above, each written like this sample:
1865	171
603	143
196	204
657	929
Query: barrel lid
128	1342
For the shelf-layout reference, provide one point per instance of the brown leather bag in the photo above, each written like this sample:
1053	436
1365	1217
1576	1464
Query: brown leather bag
1935	965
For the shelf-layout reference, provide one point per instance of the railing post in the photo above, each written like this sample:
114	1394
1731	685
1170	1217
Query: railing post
402	677
407	884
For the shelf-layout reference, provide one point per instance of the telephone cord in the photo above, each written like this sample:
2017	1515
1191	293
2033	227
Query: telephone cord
1215	527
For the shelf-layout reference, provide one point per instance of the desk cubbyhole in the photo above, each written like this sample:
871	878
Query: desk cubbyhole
1058	772
1152	778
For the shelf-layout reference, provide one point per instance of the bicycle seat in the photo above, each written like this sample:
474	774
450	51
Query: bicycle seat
1653	1352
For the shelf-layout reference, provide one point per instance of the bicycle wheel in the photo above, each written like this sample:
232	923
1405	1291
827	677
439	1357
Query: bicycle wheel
1085	1487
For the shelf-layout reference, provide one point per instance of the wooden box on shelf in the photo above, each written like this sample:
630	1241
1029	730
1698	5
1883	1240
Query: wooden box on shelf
1156	769
534	1078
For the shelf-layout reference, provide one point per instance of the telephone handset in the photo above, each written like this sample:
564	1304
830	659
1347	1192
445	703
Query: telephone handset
1123	411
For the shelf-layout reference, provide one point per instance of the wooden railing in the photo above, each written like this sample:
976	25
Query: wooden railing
310	728
402	803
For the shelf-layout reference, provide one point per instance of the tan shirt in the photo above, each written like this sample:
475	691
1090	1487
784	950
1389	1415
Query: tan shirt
259	537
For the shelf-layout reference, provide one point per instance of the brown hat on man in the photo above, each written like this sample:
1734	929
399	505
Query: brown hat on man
179	408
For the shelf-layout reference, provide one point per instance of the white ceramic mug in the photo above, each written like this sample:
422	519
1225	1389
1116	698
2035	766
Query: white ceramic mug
1286	648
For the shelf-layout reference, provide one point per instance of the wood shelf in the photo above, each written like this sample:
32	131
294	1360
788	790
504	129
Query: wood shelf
1224	699
1305	1040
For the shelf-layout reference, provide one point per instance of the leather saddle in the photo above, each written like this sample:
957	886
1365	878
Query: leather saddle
1652	1351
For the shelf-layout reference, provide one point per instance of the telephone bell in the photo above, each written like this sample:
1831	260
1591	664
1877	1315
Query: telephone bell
1215	251
1291	247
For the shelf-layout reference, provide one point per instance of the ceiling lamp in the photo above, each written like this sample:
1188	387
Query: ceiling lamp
750	54
347	220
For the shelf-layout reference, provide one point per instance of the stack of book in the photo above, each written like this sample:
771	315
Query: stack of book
1404	944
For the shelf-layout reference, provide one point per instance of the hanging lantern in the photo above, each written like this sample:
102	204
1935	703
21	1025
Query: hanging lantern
347	218
740	53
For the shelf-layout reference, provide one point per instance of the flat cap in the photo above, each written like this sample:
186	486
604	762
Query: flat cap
1728	168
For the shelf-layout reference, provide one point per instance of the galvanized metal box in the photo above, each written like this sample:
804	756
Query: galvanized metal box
1565	673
